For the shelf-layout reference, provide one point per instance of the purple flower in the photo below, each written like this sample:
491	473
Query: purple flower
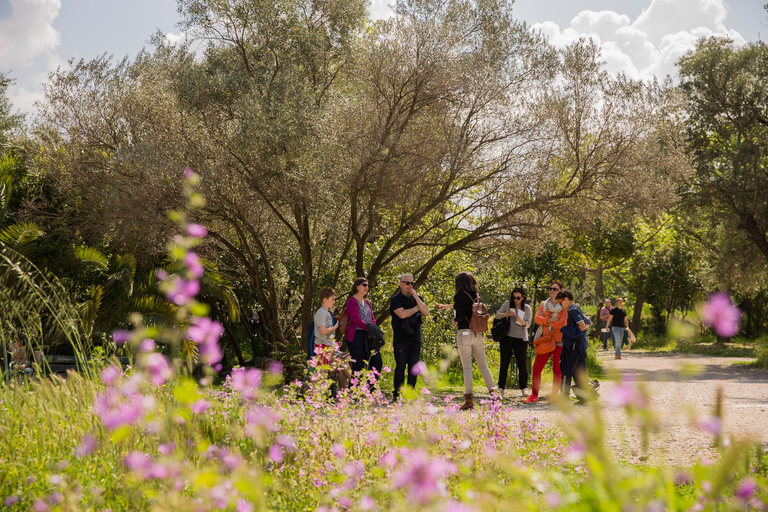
40	506
206	333
244	506
421	475
196	230
746	488
246	382
148	345
182	291
166	449
118	408
121	337
720	314
158	367
420	368
276	454
713	425
200	406
110	374
275	367
161	274
87	446
188	173
10	500
137	461
192	261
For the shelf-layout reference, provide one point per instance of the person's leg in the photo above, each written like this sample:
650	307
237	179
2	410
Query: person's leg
464	345
580	376
357	352
414	356
557	378
521	352
605	336
618	335
478	349
505	347
376	363
401	358
538	366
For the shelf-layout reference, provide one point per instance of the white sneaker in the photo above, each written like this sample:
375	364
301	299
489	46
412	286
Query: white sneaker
524	392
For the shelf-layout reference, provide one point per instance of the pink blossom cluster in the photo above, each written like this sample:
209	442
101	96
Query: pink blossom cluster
420	475
206	333
121	403
247	382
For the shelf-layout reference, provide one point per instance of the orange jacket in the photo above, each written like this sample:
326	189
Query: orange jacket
562	319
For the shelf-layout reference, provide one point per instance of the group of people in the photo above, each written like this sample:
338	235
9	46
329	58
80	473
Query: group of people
558	317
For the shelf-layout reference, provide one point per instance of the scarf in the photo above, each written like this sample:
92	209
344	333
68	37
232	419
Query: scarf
552	308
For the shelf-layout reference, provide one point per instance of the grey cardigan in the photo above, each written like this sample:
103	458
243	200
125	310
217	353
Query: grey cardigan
515	330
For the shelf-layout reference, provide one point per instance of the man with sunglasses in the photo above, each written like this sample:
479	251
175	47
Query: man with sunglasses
407	311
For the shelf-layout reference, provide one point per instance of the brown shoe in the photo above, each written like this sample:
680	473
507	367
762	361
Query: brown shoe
468	403
617	357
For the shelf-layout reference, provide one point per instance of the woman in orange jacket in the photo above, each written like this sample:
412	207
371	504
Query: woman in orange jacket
549	316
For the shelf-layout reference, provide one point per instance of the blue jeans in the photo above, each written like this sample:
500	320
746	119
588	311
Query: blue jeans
618	334
605	336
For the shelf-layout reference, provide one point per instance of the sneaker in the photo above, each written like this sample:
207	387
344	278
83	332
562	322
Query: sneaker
617	357
531	399
523	392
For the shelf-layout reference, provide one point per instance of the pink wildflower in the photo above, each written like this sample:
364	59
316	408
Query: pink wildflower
137	461
421	475
110	374
182	291
746	488
121	337
420	368
87	446
246	382
200	406
276	454
158	367
720	314
193	263
196	230
206	333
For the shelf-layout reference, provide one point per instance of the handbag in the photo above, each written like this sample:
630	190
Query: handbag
500	328
545	343
374	338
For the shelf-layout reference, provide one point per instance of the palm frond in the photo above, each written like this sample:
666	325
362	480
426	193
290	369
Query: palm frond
92	257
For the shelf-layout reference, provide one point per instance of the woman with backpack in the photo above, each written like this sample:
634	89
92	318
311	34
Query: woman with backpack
469	342
551	318
516	340
360	313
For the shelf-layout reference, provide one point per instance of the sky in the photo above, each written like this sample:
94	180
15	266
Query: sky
643	38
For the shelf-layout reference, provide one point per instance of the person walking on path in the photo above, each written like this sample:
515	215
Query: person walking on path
468	342
360	314
605	315
408	311
573	360
617	322
549	316
516	340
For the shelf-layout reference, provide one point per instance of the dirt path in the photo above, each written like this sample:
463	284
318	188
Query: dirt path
683	388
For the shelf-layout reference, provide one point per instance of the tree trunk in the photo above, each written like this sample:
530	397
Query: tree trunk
599	288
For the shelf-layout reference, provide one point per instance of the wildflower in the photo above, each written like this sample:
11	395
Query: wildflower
553	500
420	368
196	230
10	500
166	449
40	506
206	333
137	461
181	290
188	173
244	506
746	488
158	367
276	454
109	374
192	261
367	503
421	476
713	425
200	406
148	345
246	382
275	368
87	446
720	314
55	480
121	337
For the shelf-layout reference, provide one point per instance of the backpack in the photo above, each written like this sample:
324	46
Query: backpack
480	315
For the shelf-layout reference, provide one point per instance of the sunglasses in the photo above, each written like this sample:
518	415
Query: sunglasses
364	284
554	289
517	297
409	283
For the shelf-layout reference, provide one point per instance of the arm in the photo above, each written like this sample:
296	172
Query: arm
423	309
503	311
353	311
562	319
327	330
541	319
604	317
626	321
610	321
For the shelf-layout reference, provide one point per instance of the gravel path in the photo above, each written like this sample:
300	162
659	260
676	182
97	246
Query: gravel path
683	390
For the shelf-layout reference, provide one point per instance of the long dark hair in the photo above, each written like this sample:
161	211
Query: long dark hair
466	282
358	282
517	289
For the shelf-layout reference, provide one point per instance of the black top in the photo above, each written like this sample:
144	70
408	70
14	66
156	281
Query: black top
462	305
618	317
404	330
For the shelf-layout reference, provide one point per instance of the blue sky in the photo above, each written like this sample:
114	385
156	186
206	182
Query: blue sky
640	37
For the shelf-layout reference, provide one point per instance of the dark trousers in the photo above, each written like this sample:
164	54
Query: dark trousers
508	346
360	356
575	367
406	354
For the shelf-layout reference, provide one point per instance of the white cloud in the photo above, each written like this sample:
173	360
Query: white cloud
651	44
29	34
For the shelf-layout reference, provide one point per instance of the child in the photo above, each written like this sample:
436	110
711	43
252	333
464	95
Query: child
574	356
325	329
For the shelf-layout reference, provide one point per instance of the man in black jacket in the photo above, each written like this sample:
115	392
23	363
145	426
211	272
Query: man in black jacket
407	311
